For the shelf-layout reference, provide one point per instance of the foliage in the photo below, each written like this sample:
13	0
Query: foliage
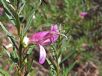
79	41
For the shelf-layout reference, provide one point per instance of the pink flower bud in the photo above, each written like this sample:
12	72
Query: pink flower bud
83	14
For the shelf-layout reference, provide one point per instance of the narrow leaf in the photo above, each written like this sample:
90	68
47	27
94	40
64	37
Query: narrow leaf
12	15
21	8
4	29
13	41
29	21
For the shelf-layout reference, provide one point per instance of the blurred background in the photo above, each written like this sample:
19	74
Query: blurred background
84	34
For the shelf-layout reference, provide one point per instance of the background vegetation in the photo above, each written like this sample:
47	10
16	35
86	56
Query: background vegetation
84	34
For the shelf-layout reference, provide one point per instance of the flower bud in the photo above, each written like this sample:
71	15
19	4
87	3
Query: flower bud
25	41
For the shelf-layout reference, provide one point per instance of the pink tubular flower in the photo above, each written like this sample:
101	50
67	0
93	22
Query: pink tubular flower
83	14
44	38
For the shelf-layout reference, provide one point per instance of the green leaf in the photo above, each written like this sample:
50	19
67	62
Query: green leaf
30	49
67	70
12	14
22	7
6	6
70	54
4	73
10	18
52	67
5	50
29	21
14	56
13	42
8	11
4	29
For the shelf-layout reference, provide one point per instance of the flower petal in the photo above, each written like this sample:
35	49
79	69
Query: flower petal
45	37
46	41
54	38
38	37
42	54
55	33
54	28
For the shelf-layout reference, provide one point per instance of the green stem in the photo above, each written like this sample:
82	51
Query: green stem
58	69
20	54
